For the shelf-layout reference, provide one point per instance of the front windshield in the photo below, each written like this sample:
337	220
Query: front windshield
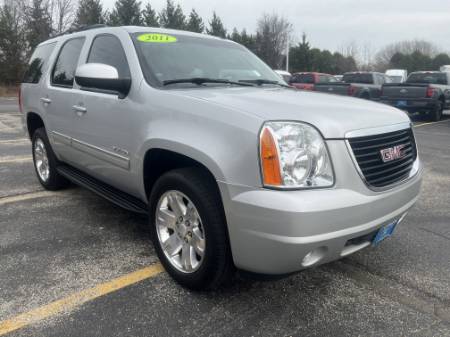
166	57
396	79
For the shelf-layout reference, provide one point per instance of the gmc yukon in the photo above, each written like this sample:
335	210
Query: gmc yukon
235	169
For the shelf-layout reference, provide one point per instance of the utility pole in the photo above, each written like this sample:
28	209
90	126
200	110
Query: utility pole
287	55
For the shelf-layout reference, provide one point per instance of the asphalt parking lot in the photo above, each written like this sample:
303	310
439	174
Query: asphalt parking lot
73	264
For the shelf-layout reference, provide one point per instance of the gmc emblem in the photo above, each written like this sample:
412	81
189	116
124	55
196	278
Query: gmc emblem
393	153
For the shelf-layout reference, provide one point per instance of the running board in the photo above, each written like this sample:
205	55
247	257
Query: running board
110	193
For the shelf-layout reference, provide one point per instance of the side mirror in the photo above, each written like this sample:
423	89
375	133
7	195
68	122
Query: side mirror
102	78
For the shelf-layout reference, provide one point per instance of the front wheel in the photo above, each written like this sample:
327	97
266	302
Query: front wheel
188	229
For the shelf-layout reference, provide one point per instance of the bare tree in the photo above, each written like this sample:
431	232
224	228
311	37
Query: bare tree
272	38
384	56
63	12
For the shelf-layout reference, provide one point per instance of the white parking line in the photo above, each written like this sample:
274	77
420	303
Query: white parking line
15	159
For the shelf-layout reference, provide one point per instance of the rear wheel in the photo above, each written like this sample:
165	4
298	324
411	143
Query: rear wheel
189	230
436	113
45	162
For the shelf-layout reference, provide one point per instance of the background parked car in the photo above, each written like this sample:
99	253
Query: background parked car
339	77
397	75
423	92
307	81
366	85
445	69
285	75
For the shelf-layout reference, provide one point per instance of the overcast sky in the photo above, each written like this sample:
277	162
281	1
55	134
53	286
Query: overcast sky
332	23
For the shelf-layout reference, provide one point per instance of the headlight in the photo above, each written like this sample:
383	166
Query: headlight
294	155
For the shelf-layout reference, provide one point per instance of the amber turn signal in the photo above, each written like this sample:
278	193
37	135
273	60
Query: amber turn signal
270	162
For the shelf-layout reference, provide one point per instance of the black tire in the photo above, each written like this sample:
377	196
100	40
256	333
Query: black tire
55	181
217	267
365	96
436	113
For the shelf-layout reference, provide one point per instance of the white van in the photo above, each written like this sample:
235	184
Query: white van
397	75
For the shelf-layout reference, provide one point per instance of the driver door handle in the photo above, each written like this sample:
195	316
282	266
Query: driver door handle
79	109
46	100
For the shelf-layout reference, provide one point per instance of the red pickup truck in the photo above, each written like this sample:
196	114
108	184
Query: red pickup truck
307	81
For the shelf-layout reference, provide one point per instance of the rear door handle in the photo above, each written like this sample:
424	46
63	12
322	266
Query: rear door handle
46	100
79	109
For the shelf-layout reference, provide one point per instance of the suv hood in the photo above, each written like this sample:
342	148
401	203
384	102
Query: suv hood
333	115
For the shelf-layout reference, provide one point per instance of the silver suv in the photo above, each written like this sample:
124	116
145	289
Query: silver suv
234	168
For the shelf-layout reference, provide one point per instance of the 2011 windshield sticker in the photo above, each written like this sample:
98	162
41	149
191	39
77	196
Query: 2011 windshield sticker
157	38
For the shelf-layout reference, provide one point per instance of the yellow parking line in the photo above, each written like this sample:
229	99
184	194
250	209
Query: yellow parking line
72	301
12	141
27	196
423	124
15	159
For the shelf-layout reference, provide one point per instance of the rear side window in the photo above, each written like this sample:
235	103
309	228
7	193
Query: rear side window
363	78
64	70
326	79
304	78
107	49
432	78
38	63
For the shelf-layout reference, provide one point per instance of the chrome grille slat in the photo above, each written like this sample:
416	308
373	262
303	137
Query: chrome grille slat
376	172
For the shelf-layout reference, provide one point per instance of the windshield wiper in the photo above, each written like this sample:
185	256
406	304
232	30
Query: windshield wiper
263	81
202	80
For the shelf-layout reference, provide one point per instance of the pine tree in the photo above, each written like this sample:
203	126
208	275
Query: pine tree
216	27
172	16
90	12
149	17
195	23
11	44
38	23
126	13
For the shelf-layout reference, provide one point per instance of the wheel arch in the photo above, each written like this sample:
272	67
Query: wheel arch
33	122
163	157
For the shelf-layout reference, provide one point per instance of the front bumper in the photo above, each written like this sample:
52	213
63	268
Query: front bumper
412	105
272	232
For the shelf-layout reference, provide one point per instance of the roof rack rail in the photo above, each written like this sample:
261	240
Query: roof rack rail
82	28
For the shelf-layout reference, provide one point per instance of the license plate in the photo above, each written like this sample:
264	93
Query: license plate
402	103
384	233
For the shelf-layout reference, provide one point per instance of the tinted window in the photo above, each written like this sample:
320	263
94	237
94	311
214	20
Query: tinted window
326	79
107	49
358	78
433	78
64	70
304	78
38	63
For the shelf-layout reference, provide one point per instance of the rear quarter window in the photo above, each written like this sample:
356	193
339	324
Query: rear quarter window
38	63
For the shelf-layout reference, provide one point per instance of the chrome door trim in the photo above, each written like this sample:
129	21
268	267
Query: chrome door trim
102	154
61	139
99	153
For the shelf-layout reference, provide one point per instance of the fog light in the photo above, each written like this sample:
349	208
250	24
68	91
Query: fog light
314	256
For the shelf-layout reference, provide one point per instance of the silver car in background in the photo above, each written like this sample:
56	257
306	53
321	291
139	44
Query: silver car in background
234	168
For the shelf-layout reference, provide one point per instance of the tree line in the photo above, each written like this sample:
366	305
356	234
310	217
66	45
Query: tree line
26	23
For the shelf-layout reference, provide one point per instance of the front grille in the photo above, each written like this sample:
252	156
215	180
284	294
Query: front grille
380	174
